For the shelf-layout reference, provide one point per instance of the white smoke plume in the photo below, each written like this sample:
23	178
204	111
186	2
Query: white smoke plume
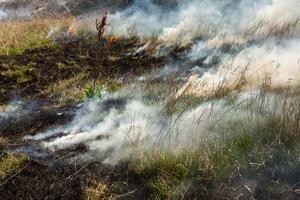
20	9
2	14
122	133
15	109
263	46
277	60
205	19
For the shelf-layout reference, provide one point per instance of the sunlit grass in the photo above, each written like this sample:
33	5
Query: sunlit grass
10	163
19	35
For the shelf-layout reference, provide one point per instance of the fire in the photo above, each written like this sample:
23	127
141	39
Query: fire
112	38
72	27
151	50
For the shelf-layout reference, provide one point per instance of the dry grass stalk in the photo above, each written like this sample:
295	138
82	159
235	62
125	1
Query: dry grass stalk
101	25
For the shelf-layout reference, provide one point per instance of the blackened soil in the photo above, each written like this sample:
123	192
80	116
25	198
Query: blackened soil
44	66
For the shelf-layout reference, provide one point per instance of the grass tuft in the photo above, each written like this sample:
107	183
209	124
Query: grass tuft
10	163
97	190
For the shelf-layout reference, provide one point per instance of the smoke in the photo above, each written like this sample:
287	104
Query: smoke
263	47
182	24
15	109
20	9
9	110
2	14
278	61
137	127
15	13
280	12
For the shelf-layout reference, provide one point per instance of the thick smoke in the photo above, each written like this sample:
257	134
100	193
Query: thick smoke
184	23
15	13
277	61
267	49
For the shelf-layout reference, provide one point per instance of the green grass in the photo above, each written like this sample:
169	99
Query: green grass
97	88
78	88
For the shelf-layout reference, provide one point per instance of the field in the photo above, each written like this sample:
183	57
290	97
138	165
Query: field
150	100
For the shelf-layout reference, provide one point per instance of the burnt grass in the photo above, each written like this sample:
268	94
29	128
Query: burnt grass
51	177
48	65
58	180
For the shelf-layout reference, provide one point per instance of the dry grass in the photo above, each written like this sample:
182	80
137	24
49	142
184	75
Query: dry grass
9	164
2	141
77	88
97	190
67	91
246	147
16	36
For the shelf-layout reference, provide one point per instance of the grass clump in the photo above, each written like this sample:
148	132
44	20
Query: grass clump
10	163
94	91
97	190
169	176
79	87
21	74
99	88
67	91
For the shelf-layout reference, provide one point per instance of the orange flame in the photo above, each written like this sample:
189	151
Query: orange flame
112	38
72	29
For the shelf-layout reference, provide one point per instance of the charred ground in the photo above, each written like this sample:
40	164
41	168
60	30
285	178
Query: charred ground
35	70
